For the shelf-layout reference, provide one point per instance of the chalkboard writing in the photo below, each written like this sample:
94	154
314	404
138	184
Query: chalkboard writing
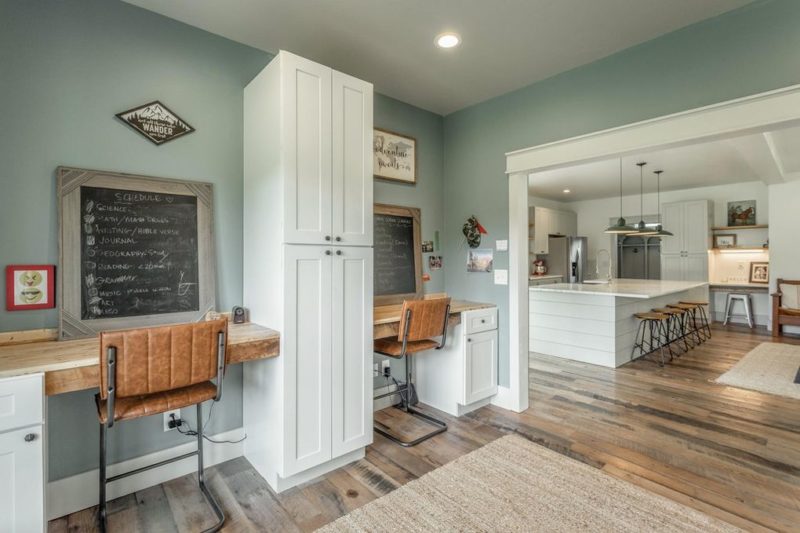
138	253
395	269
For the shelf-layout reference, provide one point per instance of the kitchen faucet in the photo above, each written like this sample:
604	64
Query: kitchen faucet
597	263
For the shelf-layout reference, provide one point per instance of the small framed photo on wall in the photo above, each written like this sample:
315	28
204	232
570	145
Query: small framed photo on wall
30	287
759	272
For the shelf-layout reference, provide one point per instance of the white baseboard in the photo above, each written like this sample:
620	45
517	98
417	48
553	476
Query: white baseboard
74	493
505	399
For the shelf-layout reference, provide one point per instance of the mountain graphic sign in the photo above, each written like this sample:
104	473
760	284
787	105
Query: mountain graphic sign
156	122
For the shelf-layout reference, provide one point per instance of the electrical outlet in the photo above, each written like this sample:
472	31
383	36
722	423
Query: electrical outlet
375	371
176	412
386	367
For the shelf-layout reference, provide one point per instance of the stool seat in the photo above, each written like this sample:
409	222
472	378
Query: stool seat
685	306
693	302
394	348
651	316
157	403
668	311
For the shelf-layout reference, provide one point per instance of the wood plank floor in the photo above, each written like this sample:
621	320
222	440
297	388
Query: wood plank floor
728	452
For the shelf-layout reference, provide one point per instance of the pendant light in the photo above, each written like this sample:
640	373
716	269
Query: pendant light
641	227
660	231
621	227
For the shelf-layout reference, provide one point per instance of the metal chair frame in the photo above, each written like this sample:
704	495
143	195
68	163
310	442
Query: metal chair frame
405	405
658	338
111	367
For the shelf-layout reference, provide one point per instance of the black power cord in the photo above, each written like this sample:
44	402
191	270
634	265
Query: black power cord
192	433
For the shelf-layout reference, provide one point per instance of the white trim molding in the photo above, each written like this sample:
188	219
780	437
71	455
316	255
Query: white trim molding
758	113
74	493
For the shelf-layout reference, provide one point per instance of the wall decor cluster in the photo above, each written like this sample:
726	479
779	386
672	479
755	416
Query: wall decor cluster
156	122
30	287
742	213
394	156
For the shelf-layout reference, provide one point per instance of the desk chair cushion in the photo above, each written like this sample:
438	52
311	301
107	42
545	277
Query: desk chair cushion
159	402
394	348
151	360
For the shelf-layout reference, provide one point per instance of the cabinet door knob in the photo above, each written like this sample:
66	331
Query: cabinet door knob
338	252
327	252
30	437
338	239
327	237
483	321
469	340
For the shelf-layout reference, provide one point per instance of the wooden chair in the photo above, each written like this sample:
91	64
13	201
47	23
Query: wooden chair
420	321
149	371
785	306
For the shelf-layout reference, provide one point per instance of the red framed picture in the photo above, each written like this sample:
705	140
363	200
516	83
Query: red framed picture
30	287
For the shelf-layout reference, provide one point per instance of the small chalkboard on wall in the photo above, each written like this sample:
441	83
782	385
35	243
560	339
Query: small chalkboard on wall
398	254
135	251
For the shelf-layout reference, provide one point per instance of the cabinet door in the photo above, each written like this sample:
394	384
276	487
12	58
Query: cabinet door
306	120
22	480
695	267
352	160
307	357
570	224
672	267
541	230
480	366
695	229
352	349
672	220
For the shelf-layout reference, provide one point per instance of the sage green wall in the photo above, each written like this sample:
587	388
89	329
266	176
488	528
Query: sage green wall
66	67
747	51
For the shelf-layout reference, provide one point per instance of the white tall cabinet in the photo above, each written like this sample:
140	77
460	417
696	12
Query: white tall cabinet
684	256
308	268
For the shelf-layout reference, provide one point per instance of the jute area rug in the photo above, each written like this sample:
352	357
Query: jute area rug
513	484
770	367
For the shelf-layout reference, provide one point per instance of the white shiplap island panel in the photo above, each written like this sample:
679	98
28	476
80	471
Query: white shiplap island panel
595	323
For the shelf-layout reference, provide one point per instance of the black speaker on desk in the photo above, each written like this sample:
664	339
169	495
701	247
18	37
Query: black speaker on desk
238	314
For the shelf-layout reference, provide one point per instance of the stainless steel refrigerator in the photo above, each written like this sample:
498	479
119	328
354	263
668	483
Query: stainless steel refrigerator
567	258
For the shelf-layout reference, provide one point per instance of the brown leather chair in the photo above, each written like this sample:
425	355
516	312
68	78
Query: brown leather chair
420	321
783	314
150	371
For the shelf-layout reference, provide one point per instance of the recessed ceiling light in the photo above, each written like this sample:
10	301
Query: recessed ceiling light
448	40
567	191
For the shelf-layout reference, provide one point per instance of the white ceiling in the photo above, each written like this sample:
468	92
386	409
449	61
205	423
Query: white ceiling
507	44
771	157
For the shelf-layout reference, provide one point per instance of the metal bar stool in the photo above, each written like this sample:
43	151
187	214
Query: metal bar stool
420	320
675	330
149	371
748	307
653	325
699	314
690	322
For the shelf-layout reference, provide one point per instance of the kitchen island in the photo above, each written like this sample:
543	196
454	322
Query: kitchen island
594	323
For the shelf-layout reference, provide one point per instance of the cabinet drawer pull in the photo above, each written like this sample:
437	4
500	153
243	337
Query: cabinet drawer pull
483	321
338	252
469	340
338	239
30	437
327	237
327	252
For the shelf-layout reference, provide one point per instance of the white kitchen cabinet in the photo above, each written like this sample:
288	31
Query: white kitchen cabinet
22	454
549	222
352	161
352	348
684	256
462	376
308	268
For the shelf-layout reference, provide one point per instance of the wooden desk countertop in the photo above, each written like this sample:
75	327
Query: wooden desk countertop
74	365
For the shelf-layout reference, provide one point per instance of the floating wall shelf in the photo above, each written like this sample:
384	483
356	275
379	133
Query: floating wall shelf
734	228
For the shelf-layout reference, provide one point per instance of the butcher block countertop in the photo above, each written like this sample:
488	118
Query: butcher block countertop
74	364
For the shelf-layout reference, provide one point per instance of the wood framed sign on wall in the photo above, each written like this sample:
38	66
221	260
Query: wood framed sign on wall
398	254
135	251
394	156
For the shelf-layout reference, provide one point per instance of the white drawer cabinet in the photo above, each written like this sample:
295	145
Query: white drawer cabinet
22	454
462	376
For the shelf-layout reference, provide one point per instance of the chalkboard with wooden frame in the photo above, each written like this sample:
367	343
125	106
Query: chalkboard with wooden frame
135	251
398	254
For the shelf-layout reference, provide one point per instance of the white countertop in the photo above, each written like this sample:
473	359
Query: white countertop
545	276
624	288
